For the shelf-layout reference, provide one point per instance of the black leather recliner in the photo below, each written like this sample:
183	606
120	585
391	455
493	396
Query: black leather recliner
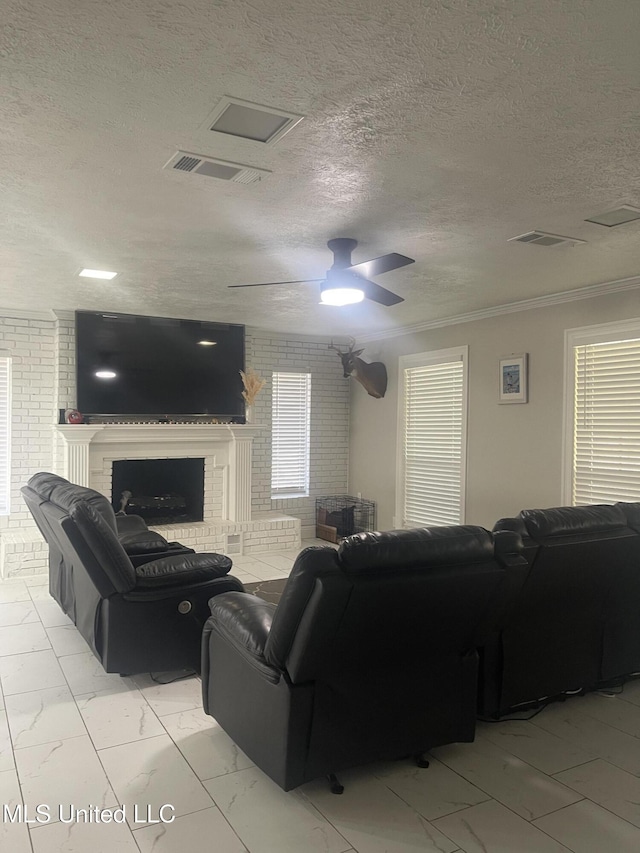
370	654
140	543
141	618
574	623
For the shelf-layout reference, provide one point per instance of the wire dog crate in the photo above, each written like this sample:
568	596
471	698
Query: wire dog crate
338	516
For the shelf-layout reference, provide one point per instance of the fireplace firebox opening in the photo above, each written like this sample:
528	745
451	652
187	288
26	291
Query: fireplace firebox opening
162	491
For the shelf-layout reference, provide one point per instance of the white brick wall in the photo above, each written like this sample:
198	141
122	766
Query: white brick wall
329	464
31	345
43	355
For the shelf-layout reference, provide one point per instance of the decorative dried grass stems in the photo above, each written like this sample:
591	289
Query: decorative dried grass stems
253	384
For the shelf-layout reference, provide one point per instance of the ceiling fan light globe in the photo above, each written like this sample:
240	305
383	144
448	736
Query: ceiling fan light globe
341	296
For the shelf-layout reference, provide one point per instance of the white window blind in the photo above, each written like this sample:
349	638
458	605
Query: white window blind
433	438
290	434
5	421
606	435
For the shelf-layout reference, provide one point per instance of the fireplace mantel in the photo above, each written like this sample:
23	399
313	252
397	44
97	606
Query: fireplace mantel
85	446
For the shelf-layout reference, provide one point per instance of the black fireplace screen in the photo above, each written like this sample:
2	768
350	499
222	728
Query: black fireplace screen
162	491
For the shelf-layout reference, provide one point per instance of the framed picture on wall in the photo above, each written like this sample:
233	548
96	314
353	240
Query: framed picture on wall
513	378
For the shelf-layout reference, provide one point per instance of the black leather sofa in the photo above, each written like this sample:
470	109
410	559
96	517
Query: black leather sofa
370	653
136	618
574	625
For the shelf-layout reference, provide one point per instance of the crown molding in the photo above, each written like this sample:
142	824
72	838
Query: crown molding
588	292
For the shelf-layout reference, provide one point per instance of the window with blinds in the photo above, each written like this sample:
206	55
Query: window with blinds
606	428
432	439
290	418
5	422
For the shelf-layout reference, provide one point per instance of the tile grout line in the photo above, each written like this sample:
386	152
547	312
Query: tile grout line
595	802
324	817
551	734
602	757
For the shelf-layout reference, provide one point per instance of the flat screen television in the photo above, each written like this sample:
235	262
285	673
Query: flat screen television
132	365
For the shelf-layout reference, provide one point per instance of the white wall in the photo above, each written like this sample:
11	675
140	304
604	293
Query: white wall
514	451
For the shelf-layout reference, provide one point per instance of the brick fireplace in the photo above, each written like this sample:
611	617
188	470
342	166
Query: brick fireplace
228	524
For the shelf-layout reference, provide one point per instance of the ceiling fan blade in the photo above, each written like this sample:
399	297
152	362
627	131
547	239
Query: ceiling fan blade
385	263
268	283
379	294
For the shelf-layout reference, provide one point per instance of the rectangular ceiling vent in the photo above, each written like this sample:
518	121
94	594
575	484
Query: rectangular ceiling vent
620	216
542	238
256	122
209	167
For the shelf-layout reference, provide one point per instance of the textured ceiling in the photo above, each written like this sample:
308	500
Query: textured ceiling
435	129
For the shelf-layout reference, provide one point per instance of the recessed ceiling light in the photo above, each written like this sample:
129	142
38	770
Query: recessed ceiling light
611	218
207	343
105	374
97	274
251	121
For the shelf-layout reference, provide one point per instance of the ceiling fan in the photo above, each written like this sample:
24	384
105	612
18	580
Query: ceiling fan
346	283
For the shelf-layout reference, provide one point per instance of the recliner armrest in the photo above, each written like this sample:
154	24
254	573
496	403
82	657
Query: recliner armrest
130	524
244	621
243	618
181	569
143	542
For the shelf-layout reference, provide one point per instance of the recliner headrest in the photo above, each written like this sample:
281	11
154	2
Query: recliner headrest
571	520
410	549
66	495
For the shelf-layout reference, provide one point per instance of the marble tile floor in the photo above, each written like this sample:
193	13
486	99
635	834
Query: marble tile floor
72	735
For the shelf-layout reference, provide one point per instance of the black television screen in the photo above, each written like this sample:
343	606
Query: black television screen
131	365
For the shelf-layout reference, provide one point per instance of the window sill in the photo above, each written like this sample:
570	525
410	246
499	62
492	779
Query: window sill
289	495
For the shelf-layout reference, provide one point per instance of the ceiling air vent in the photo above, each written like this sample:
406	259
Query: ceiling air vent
251	121
619	216
186	164
209	167
542	238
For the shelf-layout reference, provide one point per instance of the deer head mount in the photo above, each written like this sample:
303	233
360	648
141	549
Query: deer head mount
371	375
